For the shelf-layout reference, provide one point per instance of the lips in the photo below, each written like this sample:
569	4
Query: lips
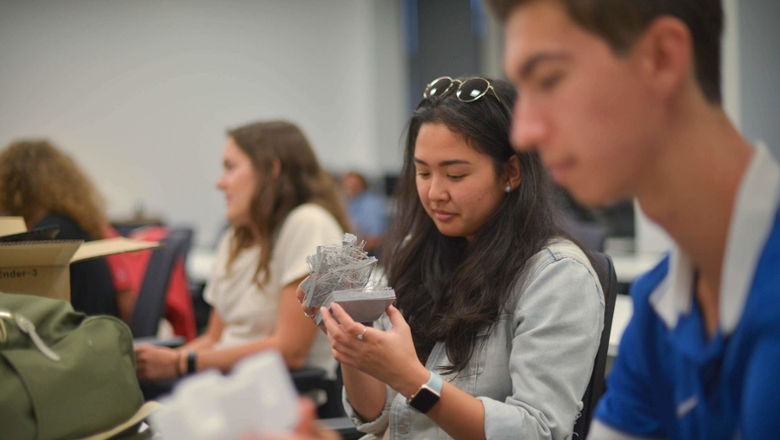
559	170
443	216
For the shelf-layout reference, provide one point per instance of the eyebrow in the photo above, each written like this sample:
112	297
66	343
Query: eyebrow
445	163
528	67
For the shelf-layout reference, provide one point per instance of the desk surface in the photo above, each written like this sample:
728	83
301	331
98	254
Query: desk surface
629	265
623	311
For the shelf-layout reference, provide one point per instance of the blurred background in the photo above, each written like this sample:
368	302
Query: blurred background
142	92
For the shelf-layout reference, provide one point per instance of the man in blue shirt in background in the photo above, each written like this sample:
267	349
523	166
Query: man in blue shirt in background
621	98
367	211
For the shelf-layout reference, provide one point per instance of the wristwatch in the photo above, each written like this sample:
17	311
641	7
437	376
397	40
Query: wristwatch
192	358
428	395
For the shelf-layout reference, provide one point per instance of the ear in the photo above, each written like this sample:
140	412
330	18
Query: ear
514	171
664	53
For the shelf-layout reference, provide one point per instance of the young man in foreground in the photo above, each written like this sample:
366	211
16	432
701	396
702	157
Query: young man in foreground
622	99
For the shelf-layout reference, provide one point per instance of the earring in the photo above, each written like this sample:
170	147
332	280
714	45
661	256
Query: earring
508	188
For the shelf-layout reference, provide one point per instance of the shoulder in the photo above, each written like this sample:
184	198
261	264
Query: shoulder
560	271
560	249
69	229
763	304
373	198
309	224
309	213
560	254
643	286
225	240
312	221
769	259
222	255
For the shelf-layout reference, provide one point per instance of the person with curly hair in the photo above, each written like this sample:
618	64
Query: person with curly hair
46	187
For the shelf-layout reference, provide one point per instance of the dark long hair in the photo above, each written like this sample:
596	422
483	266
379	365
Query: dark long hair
300	180
447	288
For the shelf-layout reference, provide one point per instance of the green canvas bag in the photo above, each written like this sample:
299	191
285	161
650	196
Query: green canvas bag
90	389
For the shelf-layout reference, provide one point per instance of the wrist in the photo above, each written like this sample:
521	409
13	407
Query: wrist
178	360
428	395
192	360
414	381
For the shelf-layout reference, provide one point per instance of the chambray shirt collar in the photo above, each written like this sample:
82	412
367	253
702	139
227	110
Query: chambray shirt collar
751	223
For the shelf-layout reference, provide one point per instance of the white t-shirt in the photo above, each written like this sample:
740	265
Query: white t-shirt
250	311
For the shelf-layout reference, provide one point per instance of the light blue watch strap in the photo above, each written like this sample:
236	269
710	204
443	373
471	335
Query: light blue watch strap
435	382
427	395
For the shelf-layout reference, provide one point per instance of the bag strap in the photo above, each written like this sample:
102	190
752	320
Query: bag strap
143	412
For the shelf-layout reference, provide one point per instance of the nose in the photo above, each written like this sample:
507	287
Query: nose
437	192
220	183
529	127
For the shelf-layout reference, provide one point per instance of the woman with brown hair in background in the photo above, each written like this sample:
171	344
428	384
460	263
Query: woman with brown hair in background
280	205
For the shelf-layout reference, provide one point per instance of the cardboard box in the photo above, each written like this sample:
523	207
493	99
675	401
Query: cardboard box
43	267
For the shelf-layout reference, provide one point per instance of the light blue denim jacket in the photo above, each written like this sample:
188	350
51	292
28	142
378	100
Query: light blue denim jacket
531	369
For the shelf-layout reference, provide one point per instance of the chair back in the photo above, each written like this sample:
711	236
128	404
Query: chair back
309	379
590	234
606	272
150	305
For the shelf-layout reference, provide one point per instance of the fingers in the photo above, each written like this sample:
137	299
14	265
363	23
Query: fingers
141	354
340	340
346	321
332	328
331	325
299	293
308	414
396	318
144	366
153	362
309	312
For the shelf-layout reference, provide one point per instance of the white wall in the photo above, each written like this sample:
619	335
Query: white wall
141	92
730	63
759	60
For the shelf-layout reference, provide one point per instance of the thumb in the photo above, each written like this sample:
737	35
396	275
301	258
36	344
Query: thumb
396	318
308	414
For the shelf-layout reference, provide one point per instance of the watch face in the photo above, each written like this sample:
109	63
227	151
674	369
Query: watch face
424	399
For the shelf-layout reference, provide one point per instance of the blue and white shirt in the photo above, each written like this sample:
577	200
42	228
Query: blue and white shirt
673	381
368	214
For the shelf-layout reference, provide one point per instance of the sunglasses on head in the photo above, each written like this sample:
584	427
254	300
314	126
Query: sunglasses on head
468	91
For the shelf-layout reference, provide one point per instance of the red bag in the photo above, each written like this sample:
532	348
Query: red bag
178	300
